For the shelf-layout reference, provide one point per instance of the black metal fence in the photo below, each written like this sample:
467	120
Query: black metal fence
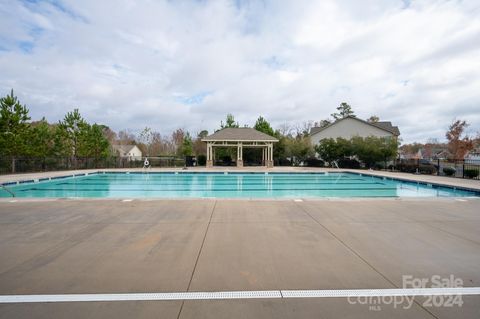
460	168
455	168
32	164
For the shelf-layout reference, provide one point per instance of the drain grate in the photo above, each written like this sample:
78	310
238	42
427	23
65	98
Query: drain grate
261	294
380	292
142	296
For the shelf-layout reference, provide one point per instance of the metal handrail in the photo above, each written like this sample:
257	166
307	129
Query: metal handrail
7	190
336	164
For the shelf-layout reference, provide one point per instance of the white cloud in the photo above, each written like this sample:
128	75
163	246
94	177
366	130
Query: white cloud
169	64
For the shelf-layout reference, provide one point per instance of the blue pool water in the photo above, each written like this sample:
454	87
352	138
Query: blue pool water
231	185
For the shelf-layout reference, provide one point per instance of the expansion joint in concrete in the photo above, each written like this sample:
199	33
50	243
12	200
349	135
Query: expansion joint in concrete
358	255
198	256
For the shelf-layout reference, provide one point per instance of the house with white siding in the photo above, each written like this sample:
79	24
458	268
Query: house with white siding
351	126
132	152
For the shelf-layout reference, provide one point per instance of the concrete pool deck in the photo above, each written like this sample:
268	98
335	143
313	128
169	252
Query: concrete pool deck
113	246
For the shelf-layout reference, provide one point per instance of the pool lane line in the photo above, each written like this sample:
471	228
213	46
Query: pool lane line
223	178
223	184
255	294
202	190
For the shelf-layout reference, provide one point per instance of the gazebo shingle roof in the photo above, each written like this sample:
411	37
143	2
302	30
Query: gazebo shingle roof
239	134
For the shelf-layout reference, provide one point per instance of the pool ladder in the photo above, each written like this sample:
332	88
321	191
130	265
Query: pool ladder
7	190
334	163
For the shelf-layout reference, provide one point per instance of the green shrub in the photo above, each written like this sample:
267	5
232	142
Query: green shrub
427	169
226	160
283	162
348	163
314	162
471	173
201	160
412	168
407	167
368	150
449	171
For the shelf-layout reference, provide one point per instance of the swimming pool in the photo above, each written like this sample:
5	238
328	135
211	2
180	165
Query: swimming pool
225	185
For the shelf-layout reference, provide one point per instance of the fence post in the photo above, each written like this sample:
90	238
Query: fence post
463	169
438	167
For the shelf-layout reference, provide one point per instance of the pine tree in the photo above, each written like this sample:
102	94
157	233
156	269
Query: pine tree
230	122
70	135
262	125
94	143
344	110
187	145
14	128
41	139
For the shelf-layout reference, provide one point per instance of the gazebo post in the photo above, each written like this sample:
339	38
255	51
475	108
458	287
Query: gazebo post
269	155
209	154
239	154
264	163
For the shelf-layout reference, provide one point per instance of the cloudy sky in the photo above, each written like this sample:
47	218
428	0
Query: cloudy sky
168	64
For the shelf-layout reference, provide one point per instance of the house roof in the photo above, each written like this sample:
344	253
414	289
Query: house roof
246	134
383	125
124	148
387	126
316	129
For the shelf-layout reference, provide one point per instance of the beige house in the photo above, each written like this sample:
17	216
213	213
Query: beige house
351	126
240	138
132	152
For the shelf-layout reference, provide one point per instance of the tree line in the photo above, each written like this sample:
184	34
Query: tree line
73	137
70	137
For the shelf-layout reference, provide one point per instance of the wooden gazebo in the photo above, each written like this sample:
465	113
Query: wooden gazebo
240	138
